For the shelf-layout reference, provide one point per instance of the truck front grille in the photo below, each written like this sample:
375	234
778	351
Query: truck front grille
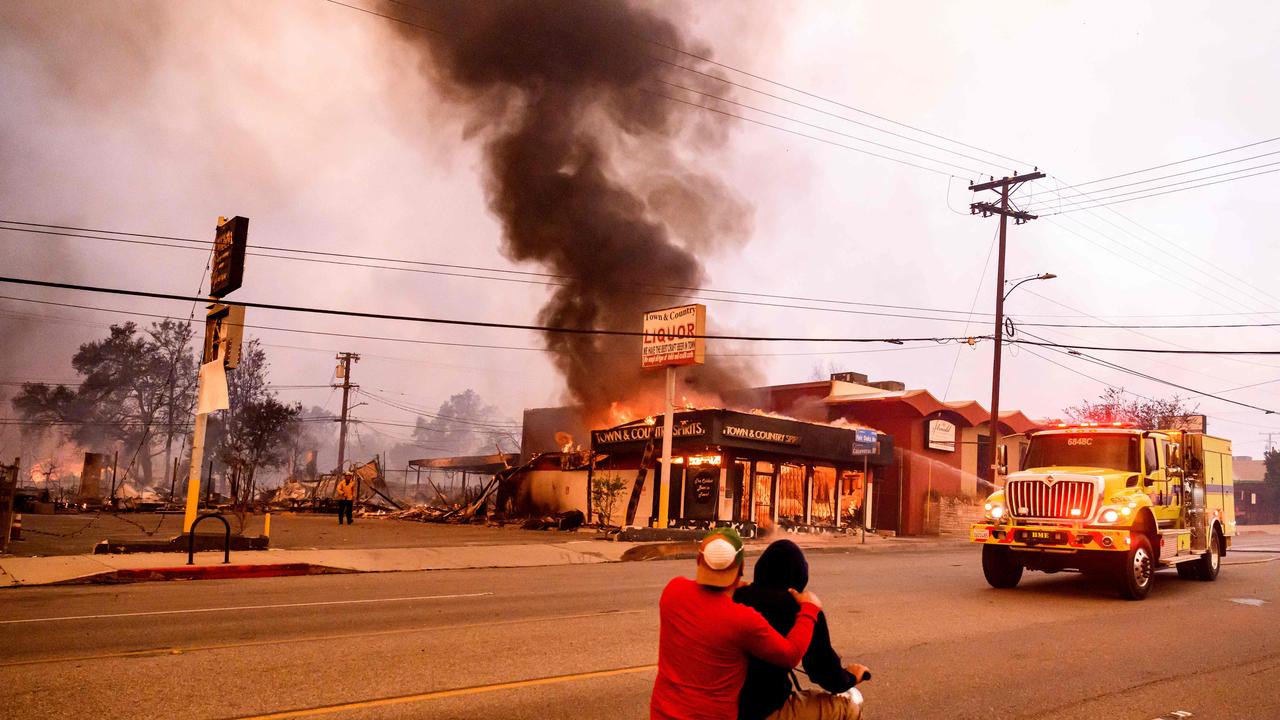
1039	499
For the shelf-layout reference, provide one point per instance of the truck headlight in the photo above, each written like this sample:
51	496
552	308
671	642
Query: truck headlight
995	511
1111	515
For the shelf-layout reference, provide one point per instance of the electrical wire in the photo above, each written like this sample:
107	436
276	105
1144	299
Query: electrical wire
967	315
833	143
455	322
818	127
986	265
1159	351
684	291
1162	381
1178	162
971	313
1059	198
586	331
1074	205
438	31
746	73
134	313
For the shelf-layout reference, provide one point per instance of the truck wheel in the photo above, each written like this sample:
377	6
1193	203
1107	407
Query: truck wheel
1206	568
999	567
1136	570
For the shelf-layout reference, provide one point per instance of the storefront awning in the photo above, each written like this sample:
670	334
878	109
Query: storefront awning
771	434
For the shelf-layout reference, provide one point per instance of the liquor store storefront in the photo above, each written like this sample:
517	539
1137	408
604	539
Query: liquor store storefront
752	471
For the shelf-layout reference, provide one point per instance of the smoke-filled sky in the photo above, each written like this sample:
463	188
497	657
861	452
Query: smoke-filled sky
340	131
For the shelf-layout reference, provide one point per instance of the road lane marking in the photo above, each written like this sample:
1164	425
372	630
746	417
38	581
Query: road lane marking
242	607
162	651
456	692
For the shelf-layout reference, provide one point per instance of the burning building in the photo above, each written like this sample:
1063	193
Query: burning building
750	470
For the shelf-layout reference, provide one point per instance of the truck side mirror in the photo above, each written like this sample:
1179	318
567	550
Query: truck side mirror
1002	459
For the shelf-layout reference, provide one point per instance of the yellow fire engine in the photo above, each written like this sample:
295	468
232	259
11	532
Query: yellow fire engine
1110	499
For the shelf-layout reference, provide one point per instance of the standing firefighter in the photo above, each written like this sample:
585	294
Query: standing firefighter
346	494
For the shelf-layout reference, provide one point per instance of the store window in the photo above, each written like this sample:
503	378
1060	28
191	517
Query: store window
852	486
742	486
791	494
823	510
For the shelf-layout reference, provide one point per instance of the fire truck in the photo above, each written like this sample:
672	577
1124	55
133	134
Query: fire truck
1110	500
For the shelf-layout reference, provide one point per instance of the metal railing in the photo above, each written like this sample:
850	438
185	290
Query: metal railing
191	539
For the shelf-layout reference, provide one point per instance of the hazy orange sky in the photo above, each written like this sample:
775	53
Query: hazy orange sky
317	123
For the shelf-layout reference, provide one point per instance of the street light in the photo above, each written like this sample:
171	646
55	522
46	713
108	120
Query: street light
1018	281
998	337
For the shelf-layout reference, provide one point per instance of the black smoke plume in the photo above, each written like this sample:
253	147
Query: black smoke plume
590	172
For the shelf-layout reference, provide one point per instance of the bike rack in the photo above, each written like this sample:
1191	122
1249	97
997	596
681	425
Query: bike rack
191	539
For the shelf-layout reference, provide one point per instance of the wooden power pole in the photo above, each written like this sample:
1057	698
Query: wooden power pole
344	372
1005	209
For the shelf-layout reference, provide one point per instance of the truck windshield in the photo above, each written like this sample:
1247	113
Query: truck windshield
1116	452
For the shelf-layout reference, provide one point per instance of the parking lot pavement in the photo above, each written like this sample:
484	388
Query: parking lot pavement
77	534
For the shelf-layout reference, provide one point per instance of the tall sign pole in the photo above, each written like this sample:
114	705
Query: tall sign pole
223	330
1005	210
672	336
668	433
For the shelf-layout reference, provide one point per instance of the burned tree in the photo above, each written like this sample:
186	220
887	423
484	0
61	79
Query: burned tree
136	393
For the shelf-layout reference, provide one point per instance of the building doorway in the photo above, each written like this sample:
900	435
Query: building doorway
765	480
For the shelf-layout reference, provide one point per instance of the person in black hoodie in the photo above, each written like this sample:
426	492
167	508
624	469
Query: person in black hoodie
769	691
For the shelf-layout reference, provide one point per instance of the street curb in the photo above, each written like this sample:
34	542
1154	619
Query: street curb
689	550
201	572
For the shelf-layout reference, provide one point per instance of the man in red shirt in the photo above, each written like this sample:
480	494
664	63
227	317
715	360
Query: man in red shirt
705	638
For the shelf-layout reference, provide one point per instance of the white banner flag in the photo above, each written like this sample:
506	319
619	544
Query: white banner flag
213	387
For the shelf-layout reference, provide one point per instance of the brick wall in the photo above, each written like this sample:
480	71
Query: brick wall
954	515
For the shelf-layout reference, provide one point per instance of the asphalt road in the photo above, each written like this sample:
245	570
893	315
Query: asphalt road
579	642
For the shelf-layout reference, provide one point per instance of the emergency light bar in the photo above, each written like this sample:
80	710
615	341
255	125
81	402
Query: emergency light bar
1124	424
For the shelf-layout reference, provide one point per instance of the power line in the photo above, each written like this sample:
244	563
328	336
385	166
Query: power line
726	113
1193	283
415	341
1151	327
615	333
456	322
967	314
687	291
1162	249
1170	383
1177	162
726	81
824	99
1073	205
504	427
816	126
1174	366
1055	202
1159	351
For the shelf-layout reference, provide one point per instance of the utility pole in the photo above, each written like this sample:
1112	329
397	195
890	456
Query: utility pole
1268	436
344	373
1006	186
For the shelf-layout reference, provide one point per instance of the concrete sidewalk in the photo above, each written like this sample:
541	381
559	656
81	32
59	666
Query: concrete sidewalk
106	568
72	569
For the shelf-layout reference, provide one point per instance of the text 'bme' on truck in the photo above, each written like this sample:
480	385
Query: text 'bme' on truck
1110	500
